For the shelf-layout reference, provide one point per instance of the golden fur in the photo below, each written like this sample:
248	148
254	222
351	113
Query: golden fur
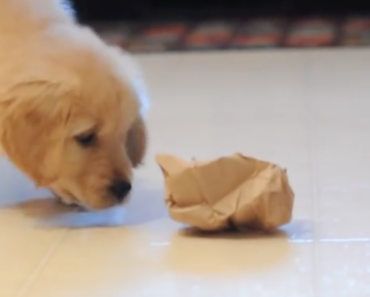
59	81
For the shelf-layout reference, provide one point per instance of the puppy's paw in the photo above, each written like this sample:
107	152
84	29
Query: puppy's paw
62	200
136	143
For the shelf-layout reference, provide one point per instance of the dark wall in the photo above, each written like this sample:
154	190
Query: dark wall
174	9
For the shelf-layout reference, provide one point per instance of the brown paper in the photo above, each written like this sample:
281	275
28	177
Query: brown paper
229	192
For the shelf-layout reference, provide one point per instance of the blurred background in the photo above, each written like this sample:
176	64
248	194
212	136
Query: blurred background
188	25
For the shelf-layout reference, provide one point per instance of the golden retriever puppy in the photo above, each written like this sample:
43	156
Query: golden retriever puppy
71	107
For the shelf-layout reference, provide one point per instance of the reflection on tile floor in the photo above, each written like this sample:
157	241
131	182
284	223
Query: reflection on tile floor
254	33
305	110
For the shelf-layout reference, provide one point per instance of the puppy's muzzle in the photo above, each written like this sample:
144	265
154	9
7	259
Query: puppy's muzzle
120	189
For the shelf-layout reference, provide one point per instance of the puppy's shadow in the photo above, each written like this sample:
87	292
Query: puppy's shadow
16	188
18	192
145	205
49	213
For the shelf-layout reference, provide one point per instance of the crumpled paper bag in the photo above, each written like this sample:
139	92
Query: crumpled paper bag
230	192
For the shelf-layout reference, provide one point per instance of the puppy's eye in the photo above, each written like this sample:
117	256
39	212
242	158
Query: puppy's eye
88	139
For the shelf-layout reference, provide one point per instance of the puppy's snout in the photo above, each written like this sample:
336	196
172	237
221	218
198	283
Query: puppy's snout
119	189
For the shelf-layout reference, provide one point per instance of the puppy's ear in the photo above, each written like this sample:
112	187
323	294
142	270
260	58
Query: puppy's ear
32	118
136	142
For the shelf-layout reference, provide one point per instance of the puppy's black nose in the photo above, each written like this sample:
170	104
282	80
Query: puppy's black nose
119	189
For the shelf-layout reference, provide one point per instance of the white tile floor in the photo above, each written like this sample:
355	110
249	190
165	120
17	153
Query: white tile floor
306	110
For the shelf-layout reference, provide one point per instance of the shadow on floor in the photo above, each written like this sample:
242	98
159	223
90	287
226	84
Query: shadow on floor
250	251
145	205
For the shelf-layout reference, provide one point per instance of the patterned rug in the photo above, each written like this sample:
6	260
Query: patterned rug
259	33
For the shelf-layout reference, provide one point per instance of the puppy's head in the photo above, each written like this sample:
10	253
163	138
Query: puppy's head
70	136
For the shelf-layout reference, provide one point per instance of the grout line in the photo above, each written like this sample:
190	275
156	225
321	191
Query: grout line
312	156
310	128
332	240
39	267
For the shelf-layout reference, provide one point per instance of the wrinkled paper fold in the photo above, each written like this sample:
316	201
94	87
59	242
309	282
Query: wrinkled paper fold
230	192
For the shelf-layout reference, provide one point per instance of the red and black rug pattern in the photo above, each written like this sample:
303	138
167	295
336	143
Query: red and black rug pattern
257	33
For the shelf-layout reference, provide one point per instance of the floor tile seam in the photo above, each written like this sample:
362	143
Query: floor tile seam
40	266
312	156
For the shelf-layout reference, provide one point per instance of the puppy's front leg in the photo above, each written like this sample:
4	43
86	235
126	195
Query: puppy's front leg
136	143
